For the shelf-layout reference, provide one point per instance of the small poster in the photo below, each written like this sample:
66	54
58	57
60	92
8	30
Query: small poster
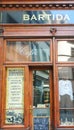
15	96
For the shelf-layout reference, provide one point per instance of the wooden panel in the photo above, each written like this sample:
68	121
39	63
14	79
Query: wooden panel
27	97
37	31
1	51
26	103
0	92
15	128
1	62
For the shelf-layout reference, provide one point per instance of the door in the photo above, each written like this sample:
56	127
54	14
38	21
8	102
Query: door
40	103
26	102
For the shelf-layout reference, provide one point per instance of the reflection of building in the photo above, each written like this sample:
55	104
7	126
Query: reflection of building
61	19
41	87
67	51
28	51
12	16
27	17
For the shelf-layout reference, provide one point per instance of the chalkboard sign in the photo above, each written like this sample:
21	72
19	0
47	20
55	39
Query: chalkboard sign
41	123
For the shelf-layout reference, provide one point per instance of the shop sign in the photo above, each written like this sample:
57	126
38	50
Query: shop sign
46	17
37	17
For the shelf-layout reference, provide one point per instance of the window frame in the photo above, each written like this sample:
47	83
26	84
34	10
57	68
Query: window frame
26	104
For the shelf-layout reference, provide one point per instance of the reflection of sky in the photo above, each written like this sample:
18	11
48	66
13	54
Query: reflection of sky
17	16
70	13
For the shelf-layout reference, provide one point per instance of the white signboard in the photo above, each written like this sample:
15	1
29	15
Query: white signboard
15	96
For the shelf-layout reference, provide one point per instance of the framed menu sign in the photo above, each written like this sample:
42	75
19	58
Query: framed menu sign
15	96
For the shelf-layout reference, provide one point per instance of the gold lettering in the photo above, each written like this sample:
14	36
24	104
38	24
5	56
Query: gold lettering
26	17
41	17
33	17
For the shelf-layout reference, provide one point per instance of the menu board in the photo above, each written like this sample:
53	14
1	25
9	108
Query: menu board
41	123
15	96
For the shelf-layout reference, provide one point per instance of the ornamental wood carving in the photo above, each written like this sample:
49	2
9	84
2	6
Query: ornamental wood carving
38	5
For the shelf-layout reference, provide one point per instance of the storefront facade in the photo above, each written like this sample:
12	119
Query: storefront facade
36	65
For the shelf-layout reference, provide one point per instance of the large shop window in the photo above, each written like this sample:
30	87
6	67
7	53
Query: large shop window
66	95
27	51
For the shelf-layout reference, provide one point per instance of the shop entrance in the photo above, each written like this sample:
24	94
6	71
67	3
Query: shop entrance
40	105
27	84
28	98
30	73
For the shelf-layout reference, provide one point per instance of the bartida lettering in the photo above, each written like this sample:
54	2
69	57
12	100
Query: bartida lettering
48	17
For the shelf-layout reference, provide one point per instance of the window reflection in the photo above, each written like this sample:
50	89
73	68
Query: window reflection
28	51
66	95
66	51
41	88
41	100
38	17
41	93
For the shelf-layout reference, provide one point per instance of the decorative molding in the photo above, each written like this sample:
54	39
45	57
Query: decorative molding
49	5
53	31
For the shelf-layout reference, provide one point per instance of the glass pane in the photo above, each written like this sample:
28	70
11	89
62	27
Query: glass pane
23	51
38	17
41	100
66	95
66	51
66	117
14	96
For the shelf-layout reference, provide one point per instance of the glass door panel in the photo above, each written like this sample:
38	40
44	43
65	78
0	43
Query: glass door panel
41	100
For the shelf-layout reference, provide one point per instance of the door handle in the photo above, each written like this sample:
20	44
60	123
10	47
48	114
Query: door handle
31	109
